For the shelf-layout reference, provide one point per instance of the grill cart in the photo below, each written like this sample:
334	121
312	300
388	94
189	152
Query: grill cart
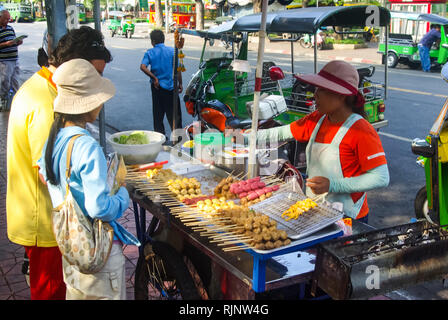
191	252
185	249
215	234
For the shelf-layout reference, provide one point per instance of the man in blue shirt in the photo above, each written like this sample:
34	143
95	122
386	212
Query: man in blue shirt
161	60
425	45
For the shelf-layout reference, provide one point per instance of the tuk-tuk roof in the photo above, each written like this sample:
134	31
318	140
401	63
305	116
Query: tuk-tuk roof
308	20
415	16
223	31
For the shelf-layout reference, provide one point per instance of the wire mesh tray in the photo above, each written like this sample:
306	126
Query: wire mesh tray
308	223
329	231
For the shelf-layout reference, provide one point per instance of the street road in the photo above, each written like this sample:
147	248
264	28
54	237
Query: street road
414	101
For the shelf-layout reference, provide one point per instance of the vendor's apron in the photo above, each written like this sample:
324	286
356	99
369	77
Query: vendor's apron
324	160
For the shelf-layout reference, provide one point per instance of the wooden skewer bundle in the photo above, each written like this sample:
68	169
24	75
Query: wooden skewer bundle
236	248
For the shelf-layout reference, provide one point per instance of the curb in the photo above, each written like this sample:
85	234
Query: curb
349	59
356	60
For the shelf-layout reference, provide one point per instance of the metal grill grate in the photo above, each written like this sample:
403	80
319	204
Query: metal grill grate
376	244
306	224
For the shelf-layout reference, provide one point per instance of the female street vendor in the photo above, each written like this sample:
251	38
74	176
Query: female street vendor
344	153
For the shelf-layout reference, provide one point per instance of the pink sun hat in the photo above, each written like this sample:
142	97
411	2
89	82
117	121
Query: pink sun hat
339	77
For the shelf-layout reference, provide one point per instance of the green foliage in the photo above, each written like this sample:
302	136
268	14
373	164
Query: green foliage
346	41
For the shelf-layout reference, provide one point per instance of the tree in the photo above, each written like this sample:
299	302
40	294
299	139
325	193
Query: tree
257	5
159	13
200	11
137	8
40	4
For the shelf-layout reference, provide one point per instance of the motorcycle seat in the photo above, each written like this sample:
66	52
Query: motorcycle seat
236	123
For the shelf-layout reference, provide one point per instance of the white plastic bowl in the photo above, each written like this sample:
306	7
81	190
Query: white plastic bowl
138	153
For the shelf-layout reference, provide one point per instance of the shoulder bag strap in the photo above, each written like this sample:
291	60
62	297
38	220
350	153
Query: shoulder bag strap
69	157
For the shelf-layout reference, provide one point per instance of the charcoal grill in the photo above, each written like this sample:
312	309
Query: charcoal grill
376	262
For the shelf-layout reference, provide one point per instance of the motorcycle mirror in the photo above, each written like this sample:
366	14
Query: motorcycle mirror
444	72
421	147
211	42
275	73
211	89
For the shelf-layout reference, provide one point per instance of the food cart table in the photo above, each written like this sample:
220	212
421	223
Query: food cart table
255	272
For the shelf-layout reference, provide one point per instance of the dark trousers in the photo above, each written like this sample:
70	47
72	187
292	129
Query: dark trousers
162	103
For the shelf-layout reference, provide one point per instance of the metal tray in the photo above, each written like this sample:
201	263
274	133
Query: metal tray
306	224
183	164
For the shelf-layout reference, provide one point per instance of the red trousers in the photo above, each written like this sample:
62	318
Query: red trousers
46	278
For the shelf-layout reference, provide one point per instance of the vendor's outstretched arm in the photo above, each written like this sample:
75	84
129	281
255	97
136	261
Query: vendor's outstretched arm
372	179
276	134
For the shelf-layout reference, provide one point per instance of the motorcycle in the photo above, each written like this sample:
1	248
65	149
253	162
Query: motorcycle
431	202
214	114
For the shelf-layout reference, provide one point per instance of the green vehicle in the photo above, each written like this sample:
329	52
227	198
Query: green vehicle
403	46
121	24
82	18
19	12
431	201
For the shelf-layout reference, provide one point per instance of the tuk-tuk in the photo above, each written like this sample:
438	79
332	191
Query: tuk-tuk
121	24
431	200
235	89
403	46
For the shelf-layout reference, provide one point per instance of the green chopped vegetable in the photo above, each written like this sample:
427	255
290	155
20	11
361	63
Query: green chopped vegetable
136	137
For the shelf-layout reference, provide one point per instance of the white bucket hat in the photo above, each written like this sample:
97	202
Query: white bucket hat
80	87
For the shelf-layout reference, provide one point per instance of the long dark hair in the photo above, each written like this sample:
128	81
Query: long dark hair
60	119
